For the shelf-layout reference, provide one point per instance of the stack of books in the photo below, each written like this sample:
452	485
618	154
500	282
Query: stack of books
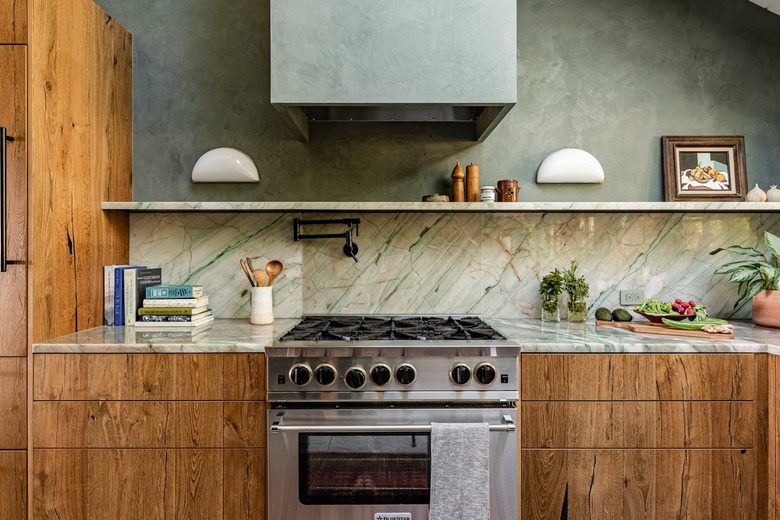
124	287
175	306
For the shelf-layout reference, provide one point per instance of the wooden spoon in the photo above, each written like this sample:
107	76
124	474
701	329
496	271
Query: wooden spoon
274	268
246	272
260	277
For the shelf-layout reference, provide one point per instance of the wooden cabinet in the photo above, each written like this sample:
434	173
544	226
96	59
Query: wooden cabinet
13	21
773	475
120	436
643	436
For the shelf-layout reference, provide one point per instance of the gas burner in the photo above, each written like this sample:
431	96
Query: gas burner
391	328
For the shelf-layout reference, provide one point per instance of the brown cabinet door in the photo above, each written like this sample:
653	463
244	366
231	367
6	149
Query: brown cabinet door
13	484
13	21
13	282
13	400
638	484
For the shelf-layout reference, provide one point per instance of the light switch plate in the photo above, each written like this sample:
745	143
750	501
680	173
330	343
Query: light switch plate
631	297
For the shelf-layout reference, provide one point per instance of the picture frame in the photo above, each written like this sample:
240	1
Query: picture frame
704	168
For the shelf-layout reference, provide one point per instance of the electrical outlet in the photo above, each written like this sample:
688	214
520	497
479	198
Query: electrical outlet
631	297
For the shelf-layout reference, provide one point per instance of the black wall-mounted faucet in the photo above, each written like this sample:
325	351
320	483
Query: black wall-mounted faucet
350	248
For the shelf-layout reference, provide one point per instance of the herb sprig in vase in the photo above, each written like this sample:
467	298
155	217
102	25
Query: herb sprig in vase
577	289
550	289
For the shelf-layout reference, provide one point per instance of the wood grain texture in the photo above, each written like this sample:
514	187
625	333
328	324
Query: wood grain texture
127	424
80	134
154	377
773	448
614	424
244	377
244	485
761	413
13	483
651	484
127	484
13	21
644	377
13	400
13	110
244	424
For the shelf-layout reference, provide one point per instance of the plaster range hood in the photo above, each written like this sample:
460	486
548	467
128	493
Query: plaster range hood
443	61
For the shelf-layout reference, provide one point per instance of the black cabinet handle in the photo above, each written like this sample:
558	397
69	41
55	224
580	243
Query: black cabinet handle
4	262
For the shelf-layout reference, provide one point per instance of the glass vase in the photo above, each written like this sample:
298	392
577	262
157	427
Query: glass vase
550	309
578	310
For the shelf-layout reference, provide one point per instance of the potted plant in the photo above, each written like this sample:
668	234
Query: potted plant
577	289
550	289
758	278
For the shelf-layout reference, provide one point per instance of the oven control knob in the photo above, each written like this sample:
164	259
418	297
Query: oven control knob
300	374
355	378
485	373
381	374
325	374
405	373
460	374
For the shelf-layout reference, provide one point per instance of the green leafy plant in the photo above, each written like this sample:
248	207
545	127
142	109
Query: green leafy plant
550	288
576	287
760	272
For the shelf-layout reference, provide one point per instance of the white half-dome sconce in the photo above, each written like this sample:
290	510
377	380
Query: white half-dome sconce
570	165
225	165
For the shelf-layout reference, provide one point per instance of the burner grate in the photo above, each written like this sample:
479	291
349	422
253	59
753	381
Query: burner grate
391	328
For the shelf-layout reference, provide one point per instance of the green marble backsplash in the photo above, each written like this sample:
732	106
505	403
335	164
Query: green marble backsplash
488	264
610	76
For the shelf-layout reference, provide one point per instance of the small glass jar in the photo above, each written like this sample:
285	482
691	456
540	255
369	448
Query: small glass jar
550	309
487	194
578	310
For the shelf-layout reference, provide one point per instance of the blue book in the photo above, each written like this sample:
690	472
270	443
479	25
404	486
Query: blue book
174	291
119	291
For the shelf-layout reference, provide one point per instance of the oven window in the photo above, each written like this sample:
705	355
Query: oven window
336	469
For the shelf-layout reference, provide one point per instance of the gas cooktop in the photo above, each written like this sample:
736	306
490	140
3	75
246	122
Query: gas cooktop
391	328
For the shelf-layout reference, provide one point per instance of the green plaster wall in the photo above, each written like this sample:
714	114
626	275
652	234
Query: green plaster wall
609	76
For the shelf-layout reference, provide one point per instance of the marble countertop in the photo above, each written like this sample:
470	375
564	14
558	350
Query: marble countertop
444	207
226	336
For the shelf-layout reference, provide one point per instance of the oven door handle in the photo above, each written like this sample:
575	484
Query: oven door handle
508	425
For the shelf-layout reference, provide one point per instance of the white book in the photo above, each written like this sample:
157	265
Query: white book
177	302
174	324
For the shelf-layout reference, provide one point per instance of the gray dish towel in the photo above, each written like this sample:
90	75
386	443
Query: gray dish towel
460	471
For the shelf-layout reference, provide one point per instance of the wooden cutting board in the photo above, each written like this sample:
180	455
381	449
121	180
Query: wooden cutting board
660	328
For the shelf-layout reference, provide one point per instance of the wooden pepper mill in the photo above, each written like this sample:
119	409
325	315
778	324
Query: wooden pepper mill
457	184
472	183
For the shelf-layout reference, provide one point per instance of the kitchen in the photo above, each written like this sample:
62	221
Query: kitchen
575	87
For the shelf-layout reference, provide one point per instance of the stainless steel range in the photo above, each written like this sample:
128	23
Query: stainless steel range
351	402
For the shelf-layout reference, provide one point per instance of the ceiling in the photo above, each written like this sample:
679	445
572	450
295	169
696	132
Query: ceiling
772	5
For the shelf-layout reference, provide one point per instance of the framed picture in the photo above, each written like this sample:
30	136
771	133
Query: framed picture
704	168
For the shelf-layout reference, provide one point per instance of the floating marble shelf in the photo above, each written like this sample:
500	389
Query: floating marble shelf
445	207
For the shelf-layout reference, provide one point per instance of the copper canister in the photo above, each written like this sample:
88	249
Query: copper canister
507	190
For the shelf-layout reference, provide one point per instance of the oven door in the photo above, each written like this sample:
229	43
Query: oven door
364	464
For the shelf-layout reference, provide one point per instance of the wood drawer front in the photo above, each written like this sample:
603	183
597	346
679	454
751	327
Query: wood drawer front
149	484
148	424
13	22
13	403
643	377
13	484
653	484
648	424
154	377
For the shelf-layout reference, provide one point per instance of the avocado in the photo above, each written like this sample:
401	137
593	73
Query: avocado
621	315
603	314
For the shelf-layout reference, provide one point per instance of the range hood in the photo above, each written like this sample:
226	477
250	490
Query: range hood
444	61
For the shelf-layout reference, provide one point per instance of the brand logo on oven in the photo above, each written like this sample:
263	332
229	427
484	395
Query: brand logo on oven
393	516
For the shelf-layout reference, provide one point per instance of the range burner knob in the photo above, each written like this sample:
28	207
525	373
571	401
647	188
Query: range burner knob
325	374
485	373
300	374
460	374
405	373
381	374
355	378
